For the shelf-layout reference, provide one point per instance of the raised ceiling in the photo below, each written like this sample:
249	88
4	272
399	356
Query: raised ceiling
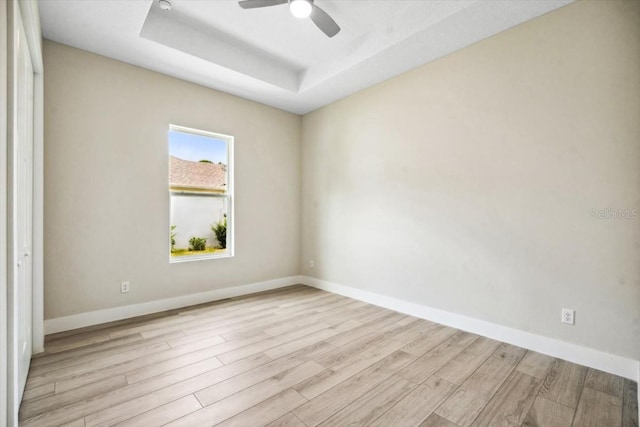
268	55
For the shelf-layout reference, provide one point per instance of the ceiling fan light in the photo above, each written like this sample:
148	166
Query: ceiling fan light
300	8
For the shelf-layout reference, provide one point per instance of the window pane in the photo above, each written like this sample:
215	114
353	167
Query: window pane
200	194
197	163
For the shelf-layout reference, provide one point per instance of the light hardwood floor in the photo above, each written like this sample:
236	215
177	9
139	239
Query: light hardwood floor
302	357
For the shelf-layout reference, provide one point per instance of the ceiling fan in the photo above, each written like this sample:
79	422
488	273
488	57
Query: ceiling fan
300	9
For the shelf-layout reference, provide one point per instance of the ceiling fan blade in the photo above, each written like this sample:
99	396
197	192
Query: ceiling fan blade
324	21
252	4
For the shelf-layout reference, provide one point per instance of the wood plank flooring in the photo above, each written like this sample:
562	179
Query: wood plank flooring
301	357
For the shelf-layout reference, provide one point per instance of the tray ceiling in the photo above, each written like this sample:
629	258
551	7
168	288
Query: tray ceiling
268	55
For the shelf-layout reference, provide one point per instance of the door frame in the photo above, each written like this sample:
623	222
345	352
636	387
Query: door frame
4	20
9	12
31	22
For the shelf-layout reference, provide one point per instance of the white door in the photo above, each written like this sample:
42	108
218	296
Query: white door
23	207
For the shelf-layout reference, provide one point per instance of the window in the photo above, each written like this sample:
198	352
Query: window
201	193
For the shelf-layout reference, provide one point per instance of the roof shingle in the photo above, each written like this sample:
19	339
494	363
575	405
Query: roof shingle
197	175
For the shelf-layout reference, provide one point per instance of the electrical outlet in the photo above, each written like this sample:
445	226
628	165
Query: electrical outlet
568	316
311	264
124	287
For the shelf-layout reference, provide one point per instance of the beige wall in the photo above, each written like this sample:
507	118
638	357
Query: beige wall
467	184
106	199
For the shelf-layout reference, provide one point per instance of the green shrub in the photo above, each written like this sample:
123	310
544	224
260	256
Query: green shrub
220	230
198	243
172	233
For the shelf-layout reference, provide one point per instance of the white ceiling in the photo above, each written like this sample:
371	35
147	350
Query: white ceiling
271	57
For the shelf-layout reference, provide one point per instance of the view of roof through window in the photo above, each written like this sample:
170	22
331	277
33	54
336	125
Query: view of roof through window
200	181
197	162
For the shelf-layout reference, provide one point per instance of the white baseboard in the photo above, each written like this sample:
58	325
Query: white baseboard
91	318
618	365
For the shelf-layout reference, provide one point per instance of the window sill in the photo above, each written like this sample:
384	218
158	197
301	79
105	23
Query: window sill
204	257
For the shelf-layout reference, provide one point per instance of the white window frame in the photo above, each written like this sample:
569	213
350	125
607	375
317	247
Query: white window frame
228	195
